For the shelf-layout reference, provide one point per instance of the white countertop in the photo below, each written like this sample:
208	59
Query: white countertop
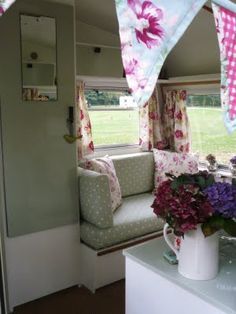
220	292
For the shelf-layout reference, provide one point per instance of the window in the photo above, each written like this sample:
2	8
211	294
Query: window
208	132
114	117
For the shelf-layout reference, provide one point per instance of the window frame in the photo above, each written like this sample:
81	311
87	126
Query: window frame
196	85
111	84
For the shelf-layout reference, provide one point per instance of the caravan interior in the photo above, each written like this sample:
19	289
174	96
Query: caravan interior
80	161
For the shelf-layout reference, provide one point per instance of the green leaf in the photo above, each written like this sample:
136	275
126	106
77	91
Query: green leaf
214	223
174	185
201	182
210	180
207	229
217	222
230	227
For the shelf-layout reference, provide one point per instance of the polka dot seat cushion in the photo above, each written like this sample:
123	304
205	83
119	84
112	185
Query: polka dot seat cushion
132	219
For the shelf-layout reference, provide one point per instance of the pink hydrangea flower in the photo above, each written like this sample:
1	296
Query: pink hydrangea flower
148	29
183	207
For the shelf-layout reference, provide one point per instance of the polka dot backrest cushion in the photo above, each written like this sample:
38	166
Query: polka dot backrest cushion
174	163
105	165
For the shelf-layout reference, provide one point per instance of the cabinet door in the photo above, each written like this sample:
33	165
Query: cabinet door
40	167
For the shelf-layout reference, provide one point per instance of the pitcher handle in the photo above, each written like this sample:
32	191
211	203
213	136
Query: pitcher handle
168	241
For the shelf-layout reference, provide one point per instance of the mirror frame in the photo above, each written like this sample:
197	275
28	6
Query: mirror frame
31	91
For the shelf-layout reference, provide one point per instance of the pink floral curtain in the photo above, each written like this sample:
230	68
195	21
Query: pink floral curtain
4	5
175	121
150	125
83	124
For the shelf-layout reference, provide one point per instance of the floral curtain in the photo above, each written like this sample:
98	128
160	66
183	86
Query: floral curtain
150	125
175	121
4	5
225	21
83	124
149	29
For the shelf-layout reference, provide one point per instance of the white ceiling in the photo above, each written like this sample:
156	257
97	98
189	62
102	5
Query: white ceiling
100	13
197	52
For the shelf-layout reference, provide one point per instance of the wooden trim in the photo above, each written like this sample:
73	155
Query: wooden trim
205	7
191	83
130	243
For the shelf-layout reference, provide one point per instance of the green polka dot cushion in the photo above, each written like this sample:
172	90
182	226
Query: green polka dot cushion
95	198
135	173
105	166
132	219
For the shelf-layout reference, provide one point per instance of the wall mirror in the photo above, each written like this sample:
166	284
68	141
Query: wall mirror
38	58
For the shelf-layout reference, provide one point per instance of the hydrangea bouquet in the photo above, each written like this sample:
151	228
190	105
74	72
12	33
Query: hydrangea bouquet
192	199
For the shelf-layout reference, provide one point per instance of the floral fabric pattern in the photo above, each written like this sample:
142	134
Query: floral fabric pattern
225	21
149	29
150	125
4	5
174	163
175	121
83	124
105	166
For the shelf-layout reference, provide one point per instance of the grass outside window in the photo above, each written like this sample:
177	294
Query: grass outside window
208	132
114	117
114	125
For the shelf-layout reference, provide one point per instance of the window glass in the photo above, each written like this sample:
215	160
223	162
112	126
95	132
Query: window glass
208	132
114	117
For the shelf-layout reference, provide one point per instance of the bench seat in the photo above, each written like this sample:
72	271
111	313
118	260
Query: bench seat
132	219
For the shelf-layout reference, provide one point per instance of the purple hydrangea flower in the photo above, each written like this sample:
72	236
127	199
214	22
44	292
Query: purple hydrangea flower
222	197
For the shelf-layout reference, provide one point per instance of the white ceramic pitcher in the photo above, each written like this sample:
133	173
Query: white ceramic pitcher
198	255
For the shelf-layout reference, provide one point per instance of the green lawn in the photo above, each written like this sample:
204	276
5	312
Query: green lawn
115	127
209	134
208	131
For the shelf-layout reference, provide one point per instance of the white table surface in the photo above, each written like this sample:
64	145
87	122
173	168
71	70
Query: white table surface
220	292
